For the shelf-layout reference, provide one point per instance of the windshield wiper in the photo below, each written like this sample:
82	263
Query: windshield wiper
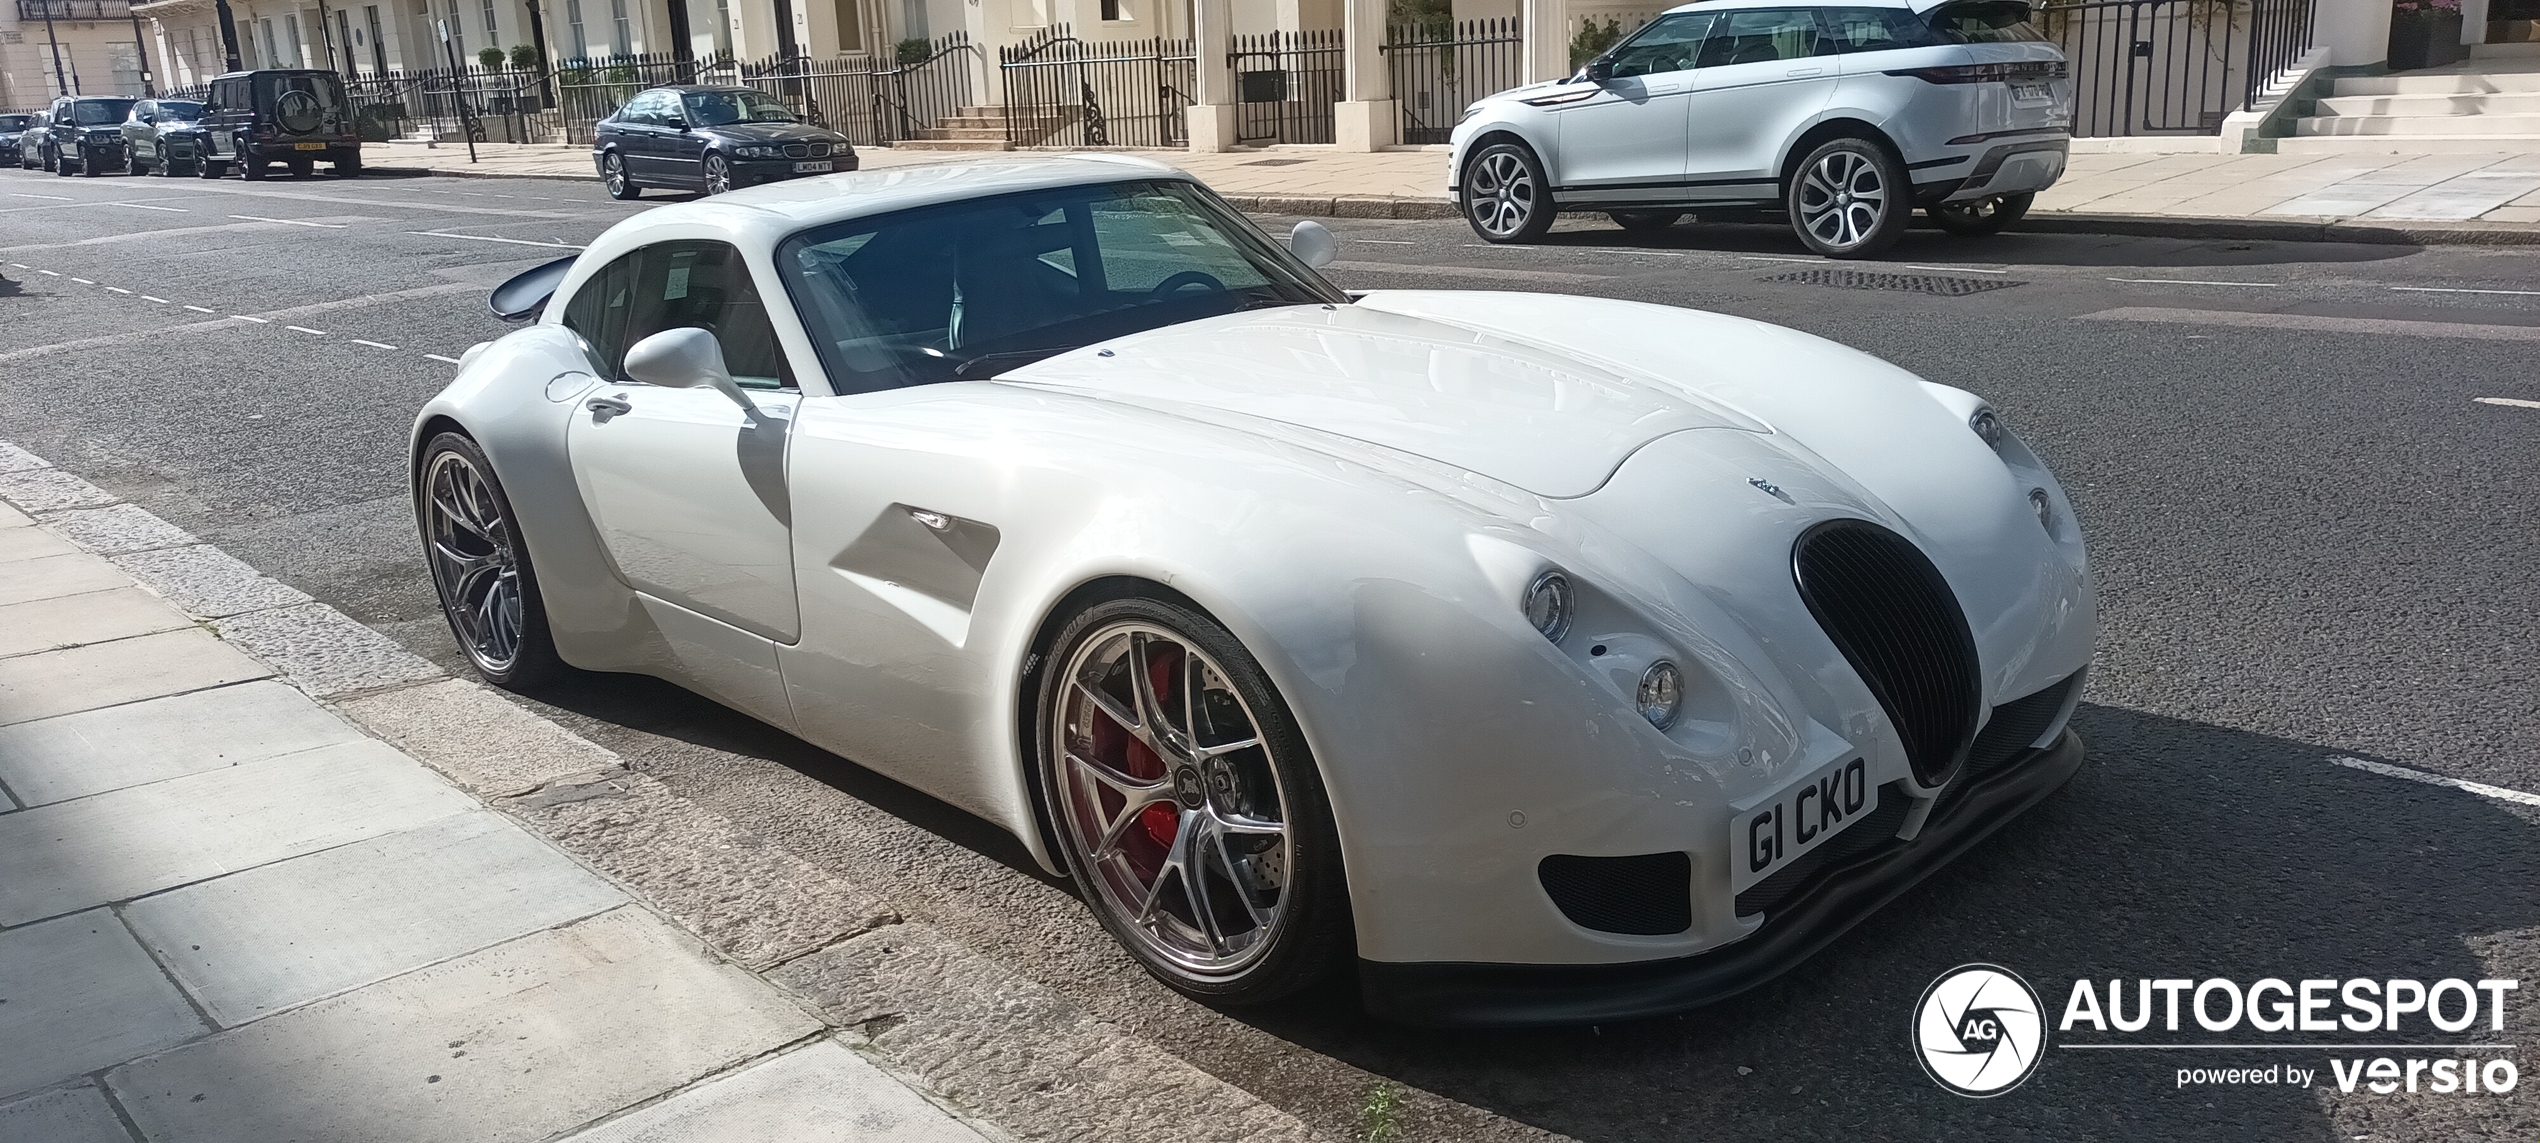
962	367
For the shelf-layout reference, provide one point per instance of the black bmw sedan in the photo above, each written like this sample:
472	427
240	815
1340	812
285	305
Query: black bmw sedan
710	139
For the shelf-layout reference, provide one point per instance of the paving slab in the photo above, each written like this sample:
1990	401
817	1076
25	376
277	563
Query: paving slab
120	528
118	845
31	543
68	572
46	489
253	943
76	755
63	1115
478	738
820	1094
517	1042
12	518
207	581
75	620
325	651
82	995
126	670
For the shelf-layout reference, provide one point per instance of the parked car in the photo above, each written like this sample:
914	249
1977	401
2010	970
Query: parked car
294	116
33	142
13	128
163	135
86	134
1844	116
711	139
1538	658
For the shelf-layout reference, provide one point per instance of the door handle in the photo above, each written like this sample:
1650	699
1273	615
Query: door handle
1800	71
602	408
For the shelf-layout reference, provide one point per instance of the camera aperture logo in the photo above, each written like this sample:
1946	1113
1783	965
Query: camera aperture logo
1979	1030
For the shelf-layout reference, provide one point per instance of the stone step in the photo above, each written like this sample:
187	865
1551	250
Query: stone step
2471	83
2408	145
2418	125
2504	51
997	132
2507	103
998	144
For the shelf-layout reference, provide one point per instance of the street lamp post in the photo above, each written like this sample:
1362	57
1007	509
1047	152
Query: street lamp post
228	36
467	116
59	80
141	51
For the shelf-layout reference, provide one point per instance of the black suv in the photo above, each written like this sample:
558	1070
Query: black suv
87	134
296	117
12	128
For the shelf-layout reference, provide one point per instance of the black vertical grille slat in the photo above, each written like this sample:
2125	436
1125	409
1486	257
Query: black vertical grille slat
1894	618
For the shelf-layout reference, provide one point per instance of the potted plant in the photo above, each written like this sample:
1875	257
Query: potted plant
491	59
2425	33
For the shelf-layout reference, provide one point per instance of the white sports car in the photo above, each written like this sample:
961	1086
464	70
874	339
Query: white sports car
1553	659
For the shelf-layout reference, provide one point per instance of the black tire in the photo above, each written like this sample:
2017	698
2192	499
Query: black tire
1978	217
1310	936
302	168
251	166
1644	221
621	186
1506	198
1849	198
206	168
62	165
532	661
52	160
349	167
133	164
718	171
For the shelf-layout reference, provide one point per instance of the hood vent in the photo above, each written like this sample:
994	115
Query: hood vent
1894	618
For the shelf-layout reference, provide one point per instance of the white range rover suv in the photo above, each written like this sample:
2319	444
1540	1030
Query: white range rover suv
1846	116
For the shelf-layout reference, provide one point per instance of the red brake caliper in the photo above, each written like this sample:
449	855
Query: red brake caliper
1162	820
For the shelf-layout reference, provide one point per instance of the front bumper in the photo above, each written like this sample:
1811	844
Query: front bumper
751	172
1505	995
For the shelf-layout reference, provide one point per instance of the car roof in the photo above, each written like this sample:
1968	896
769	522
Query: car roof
781	208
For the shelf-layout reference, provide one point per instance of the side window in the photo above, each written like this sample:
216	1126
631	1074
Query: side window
599	311
1762	35
1667	44
1878	29
706	285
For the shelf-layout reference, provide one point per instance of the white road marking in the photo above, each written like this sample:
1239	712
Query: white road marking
243	317
1955	269
2391	327
201	310
20	265
372	344
148	298
2481	789
2515	402
147	206
1387	241
2194	282
117	290
290	221
2450	290
489	238
55	197
306	330
1469	272
48	273
84	281
445	360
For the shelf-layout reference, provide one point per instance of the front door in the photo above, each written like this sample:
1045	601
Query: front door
1627	142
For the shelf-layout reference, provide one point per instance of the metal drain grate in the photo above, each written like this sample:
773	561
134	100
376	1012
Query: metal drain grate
1942	285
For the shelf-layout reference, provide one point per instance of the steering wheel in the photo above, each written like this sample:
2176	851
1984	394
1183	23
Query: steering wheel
1186	279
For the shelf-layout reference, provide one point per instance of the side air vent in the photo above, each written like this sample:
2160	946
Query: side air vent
1648	895
1894	618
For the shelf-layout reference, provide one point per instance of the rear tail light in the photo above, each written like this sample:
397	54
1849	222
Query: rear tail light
1986	73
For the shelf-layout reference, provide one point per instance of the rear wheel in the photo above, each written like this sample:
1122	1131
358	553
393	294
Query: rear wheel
349	167
251	166
1506	196
1981	216
205	167
1644	221
1849	199
480	566
613	175
303	168
1187	806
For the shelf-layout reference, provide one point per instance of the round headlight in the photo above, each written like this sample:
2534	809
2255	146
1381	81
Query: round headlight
1550	605
1662	694
1987	426
2044	505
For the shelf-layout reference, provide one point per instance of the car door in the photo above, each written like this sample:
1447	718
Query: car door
637	136
682	147
1627	141
137	133
689	492
1765	73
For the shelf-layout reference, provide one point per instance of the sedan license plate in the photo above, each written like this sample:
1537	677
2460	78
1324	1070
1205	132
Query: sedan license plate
1778	828
2030	93
308	146
814	167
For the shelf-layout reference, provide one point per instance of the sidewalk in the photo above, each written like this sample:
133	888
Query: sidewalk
2394	197
227	913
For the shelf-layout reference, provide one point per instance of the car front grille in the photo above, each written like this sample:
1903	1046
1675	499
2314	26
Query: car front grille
1647	895
1894	618
806	150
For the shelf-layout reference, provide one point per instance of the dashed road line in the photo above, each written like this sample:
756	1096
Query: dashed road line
147	206
2453	290
148	298
84	281
243	317
55	197
201	310
2510	402
2194	282
490	238
372	344
1954	269
48	273
445	360
117	290
2481	789
291	221
306	330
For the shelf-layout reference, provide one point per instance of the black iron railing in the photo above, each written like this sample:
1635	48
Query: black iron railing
1061	91
1285	86
37	10
2154	67
1440	69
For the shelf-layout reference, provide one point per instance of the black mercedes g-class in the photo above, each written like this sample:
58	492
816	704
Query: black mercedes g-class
296	117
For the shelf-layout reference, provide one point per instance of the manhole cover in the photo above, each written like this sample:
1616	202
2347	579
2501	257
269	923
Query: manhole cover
1943	285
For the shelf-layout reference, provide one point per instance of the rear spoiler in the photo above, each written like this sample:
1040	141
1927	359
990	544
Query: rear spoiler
1926	7
525	296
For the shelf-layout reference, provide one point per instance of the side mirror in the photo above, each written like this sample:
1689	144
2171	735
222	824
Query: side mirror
686	358
1312	244
1598	70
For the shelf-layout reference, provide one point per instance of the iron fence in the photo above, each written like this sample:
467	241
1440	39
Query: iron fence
1061	91
1285	86
871	101
30	11
1440	69
2157	67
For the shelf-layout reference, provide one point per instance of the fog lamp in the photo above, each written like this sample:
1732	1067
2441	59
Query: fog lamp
1662	694
1550	605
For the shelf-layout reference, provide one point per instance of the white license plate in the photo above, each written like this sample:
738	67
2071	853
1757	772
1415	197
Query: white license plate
2031	93
814	167
308	146
1781	827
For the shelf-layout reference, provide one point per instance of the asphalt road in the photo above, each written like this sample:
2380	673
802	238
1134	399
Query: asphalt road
2314	542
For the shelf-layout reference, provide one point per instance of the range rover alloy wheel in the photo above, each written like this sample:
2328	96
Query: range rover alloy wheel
1850	199
1507	198
1187	806
480	569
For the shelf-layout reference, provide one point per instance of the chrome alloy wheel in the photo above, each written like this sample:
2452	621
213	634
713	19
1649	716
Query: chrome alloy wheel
474	563
613	175
1502	194
718	175
1842	199
1170	801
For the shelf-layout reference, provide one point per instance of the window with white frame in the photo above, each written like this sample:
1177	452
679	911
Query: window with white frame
291	29
621	38
573	24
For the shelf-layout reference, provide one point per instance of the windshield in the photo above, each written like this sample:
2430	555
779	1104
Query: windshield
968	290
15	122
173	109
100	112
716	108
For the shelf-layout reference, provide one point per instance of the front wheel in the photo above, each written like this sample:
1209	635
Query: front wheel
1187	806
1978	217
480	566
250	167
613	175
1506	196
1849	199
718	174
205	167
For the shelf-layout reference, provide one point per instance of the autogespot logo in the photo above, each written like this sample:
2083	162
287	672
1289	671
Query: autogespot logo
1979	1030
